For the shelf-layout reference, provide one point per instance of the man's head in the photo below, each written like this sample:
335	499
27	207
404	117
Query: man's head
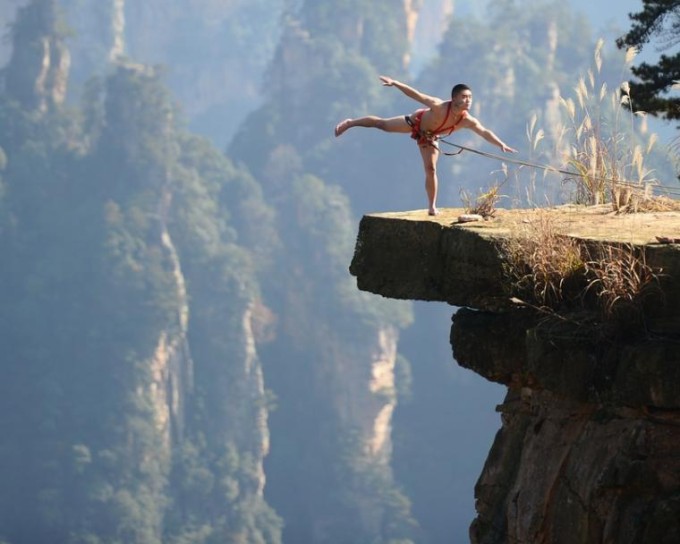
461	94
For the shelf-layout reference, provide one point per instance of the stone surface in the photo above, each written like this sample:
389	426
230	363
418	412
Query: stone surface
589	450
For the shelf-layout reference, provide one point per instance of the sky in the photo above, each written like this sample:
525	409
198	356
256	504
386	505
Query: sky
602	13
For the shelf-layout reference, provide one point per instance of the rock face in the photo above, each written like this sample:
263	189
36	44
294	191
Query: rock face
589	450
37	73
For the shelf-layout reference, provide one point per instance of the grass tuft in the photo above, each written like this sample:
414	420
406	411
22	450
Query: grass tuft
542	264
560	275
484	204
619	277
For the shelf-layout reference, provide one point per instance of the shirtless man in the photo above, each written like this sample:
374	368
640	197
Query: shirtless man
426	125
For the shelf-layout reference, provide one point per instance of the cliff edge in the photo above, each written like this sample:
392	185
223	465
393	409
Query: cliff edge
589	449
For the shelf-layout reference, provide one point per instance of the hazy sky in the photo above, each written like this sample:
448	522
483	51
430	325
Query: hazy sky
608	12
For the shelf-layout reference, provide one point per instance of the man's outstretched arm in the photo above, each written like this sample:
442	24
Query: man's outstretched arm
411	92
488	135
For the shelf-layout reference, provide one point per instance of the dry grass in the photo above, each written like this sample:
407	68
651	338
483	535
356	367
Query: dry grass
641	202
542	263
560	274
484	204
602	148
619	277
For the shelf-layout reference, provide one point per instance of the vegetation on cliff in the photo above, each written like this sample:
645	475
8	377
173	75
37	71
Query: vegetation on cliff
576	280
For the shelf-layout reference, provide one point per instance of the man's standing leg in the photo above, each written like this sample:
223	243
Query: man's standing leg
430	154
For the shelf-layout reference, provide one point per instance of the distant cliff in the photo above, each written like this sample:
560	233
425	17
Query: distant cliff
132	404
589	447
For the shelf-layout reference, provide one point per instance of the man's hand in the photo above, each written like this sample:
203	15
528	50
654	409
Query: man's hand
508	149
387	81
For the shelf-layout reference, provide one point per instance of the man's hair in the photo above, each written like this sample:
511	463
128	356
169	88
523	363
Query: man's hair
457	89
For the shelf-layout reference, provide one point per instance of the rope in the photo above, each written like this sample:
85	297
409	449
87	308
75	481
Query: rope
670	190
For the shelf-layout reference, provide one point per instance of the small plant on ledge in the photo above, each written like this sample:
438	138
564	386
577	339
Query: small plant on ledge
484	204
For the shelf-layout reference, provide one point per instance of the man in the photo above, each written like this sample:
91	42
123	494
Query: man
426	125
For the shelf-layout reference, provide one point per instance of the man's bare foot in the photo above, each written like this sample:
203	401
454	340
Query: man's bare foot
433	211
342	126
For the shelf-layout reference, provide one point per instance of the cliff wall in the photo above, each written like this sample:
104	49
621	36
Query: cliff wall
588	449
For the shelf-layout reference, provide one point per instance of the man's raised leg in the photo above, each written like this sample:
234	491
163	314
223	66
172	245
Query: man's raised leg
393	124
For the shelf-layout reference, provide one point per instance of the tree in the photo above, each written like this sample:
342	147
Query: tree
658	18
